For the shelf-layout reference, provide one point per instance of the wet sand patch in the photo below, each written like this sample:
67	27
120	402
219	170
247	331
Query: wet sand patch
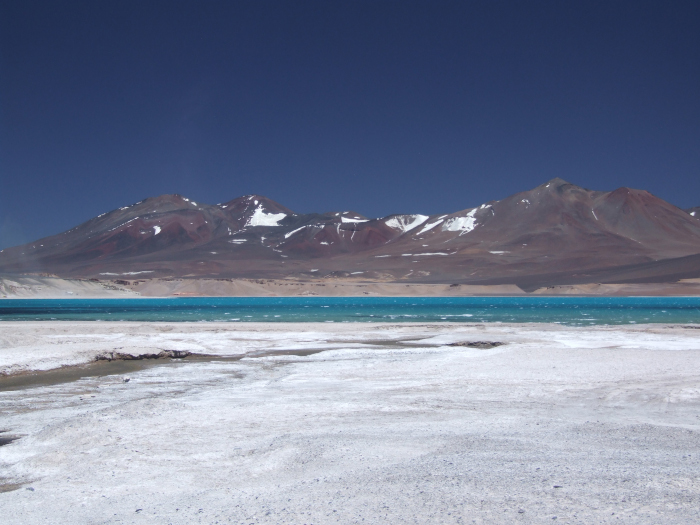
409	342
298	353
9	487
122	364
68	374
481	345
6	439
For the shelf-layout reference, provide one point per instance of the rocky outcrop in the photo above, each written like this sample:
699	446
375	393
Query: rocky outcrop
119	356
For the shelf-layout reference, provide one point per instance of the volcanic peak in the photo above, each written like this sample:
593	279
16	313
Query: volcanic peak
248	204
556	182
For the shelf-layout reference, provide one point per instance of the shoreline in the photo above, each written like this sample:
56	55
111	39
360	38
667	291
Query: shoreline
39	287
301	296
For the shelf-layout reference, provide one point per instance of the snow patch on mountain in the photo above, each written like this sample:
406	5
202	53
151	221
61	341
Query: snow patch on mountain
406	222
123	224
260	218
464	224
348	219
432	224
289	234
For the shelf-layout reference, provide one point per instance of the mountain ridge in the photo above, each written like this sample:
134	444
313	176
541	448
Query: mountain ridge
557	229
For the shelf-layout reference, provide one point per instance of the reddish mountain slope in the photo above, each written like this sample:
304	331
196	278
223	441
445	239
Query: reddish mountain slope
555	233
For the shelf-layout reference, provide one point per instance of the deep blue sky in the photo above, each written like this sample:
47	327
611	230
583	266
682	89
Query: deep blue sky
377	106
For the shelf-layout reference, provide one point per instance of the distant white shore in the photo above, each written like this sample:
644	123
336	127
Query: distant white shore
340	423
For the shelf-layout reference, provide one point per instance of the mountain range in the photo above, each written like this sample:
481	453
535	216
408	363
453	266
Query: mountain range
557	233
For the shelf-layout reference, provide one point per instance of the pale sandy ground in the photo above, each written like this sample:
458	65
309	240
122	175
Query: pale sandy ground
387	425
55	288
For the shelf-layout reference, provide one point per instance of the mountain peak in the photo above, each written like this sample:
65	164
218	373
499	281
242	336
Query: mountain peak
249	203
556	182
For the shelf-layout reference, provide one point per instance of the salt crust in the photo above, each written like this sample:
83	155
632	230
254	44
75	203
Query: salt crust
388	425
27	346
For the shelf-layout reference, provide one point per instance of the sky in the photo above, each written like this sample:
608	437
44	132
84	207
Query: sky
374	106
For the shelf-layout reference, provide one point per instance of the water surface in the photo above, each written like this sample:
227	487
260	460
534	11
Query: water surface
565	310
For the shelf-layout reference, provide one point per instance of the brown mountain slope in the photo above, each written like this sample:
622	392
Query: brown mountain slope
556	233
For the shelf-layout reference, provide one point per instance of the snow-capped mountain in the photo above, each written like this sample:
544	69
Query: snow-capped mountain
555	233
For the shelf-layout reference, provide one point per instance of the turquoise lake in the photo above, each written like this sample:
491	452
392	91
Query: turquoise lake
565	310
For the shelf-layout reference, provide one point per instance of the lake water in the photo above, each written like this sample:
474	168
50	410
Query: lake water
564	310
